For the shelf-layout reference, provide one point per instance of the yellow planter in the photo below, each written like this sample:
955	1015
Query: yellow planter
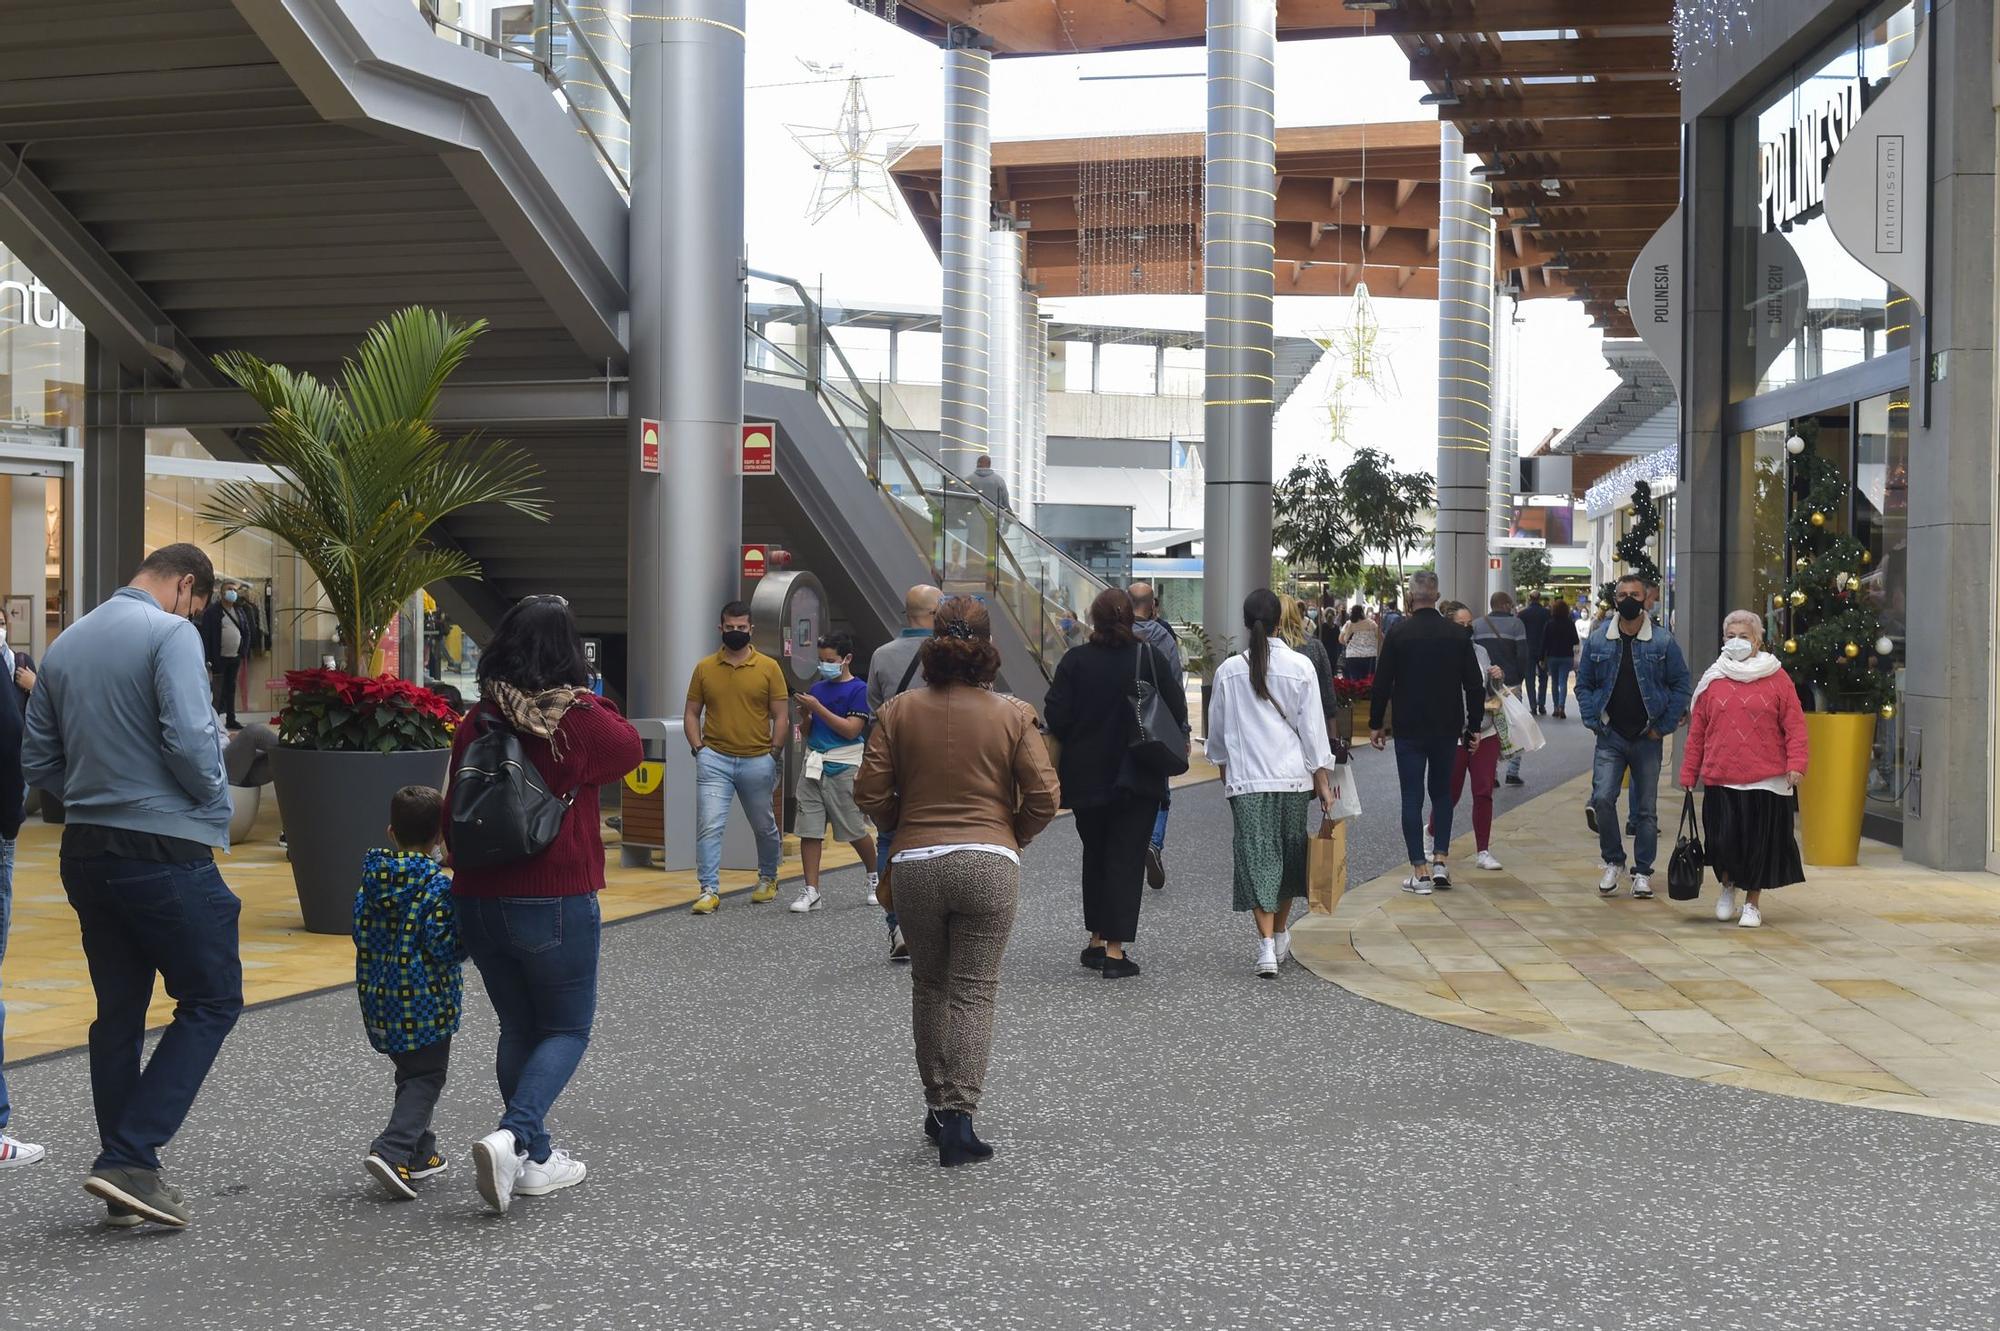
1836	786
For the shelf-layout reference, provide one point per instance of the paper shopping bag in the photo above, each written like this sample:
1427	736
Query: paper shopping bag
1326	868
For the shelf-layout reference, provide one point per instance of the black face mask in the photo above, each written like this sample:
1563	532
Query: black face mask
1631	607
736	639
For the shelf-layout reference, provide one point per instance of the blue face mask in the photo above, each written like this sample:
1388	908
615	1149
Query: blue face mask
829	670
229	596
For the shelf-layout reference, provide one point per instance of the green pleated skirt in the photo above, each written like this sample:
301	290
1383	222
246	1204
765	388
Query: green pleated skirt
1270	847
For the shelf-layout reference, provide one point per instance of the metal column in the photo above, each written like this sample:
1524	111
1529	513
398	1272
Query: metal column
1238	235
114	479
967	217
607	26
686	372
1034	405
1501	471
1465	368
1003	360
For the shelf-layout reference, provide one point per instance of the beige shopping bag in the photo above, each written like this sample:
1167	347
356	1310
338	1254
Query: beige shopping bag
1326	868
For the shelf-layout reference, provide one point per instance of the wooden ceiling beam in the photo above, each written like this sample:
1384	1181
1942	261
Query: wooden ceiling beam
1520	15
1570	135
1539	57
1648	98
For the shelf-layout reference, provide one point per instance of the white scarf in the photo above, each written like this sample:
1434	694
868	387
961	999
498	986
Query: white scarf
1761	666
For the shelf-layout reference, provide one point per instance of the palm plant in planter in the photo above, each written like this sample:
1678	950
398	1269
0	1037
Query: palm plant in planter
364	477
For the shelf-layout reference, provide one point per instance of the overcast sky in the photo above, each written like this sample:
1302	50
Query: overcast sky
861	256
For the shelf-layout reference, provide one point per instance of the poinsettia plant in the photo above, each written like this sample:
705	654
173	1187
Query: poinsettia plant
331	709
1353	690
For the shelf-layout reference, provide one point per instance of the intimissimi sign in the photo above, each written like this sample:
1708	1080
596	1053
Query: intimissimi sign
1791	168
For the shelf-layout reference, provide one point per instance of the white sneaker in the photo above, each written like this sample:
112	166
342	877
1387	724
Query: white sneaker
1267	958
14	1152
561	1170
1608	884
498	1163
1642	887
1725	905
1418	884
1484	860
1284	942
808	900
1752	917
874	886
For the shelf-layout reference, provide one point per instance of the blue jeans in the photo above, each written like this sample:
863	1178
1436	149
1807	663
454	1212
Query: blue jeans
1616	756
1160	828
139	919
884	844
1559	671
718	778
1425	765
6	919
538	957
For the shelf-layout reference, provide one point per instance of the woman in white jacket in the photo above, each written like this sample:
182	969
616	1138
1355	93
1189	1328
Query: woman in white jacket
1267	735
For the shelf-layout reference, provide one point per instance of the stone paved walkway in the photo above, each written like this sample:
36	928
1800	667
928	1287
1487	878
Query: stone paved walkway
1876	986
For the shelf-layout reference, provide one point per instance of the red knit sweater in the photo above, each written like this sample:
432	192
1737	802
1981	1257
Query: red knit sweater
598	747
1742	733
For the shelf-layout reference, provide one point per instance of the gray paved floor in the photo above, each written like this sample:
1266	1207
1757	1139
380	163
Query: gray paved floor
1195	1149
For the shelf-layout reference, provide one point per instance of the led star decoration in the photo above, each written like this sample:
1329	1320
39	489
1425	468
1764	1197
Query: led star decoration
853	157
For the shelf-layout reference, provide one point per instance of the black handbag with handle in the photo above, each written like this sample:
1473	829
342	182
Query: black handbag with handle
1684	870
1159	744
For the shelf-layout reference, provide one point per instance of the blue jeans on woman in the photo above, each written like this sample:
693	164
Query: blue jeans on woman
719	778
538	957
1559	669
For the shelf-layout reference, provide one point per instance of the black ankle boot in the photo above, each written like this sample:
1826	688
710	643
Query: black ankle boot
956	1143
931	1125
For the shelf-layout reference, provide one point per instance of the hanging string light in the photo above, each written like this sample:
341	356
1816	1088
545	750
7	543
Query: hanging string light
1139	215
1701	25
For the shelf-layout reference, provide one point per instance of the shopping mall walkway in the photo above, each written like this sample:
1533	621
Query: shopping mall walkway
1196	1148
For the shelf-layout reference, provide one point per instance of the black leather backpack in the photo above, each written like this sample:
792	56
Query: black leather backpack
501	811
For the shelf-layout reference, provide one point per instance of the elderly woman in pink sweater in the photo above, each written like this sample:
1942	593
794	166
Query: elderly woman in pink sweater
1746	748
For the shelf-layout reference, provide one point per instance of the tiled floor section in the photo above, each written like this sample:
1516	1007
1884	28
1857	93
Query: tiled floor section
1877	985
46	987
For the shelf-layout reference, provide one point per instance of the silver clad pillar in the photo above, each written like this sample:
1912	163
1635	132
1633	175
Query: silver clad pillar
607	26
1465	368
686	521
1033	387
1238	235
1500	470
1003	360
967	217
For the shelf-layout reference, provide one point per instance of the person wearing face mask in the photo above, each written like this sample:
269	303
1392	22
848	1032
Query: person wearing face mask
1632	689
1746	748
836	709
120	726
737	719
225	638
1479	757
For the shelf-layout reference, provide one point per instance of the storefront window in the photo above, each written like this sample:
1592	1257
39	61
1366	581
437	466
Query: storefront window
1802	306
1882	522
41	351
1758	504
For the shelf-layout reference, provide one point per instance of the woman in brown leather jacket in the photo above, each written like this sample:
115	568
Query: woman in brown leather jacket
959	778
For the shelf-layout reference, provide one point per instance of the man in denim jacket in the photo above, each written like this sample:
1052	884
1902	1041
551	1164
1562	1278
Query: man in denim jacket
1632	689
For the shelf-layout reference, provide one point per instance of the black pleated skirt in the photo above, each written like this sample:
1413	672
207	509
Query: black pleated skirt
1749	839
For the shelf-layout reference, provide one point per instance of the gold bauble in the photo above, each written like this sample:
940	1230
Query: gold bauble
1798	598
1851	650
1888	711
1802	563
1867	558
1791	645
1819	519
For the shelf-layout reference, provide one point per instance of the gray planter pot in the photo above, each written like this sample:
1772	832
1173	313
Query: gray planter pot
336	809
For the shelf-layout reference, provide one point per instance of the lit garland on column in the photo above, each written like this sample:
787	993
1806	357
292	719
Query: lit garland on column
1635	547
1834	643
1704	24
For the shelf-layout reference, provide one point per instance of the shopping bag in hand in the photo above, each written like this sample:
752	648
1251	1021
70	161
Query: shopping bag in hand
1346	802
1523	735
1326	867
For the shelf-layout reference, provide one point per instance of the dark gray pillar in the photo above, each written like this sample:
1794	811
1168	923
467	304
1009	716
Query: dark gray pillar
686	371
1465	369
113	492
1950	679
1238	233
1702	529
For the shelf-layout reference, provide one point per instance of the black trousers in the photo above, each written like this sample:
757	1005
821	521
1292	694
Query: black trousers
226	671
408	1139
1115	837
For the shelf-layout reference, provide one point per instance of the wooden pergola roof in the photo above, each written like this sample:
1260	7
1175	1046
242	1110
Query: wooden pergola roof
1573	100
1355	203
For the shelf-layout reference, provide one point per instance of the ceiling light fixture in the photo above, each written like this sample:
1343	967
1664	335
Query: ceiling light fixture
1371	6
1446	96
1559	264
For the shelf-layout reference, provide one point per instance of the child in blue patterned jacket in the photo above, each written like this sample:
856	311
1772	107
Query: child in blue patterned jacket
407	958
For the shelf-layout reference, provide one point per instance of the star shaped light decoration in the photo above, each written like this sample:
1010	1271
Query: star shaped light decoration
853	156
1362	363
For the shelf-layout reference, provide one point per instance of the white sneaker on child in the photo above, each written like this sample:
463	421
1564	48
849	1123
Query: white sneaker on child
808	900
874	886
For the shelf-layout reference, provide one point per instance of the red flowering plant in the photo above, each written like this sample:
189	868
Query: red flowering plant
1353	690
331	709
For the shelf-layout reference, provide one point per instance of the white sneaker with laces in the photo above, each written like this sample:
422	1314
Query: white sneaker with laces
1485	860
1284	941
809	899
1642	887
1267	958
1752	917
1608	884
15	1153
874	886
1418	884
561	1170
1725	905
498	1163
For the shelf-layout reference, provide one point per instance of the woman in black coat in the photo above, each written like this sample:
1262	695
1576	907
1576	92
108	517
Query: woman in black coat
1114	798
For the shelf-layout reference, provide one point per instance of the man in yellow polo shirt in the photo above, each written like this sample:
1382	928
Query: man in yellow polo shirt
738	717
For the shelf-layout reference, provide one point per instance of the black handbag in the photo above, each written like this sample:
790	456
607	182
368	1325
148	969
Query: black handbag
1684	870
1158	744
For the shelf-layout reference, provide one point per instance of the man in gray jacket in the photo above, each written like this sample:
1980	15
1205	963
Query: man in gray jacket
121	727
893	670
1505	639
1149	627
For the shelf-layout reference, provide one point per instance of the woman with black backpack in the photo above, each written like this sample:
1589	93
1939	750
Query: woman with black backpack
528	861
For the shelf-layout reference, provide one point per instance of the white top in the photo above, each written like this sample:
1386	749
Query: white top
1777	785
938	852
1362	639
1273	745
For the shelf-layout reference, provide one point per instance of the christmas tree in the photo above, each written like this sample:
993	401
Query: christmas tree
1833	645
1635	547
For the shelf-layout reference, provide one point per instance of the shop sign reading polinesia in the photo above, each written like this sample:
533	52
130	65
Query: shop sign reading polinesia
1791	168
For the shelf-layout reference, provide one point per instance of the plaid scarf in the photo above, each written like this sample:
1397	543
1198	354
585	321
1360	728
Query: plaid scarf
537	713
